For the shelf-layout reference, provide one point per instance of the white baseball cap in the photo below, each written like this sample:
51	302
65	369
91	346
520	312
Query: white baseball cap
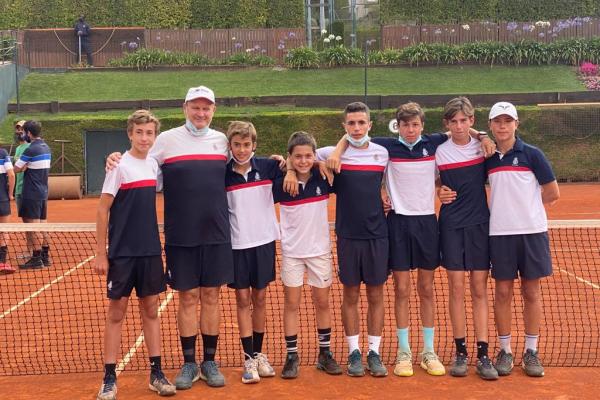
200	92
503	108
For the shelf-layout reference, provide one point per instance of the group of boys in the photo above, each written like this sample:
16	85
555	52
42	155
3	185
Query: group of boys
221	228
27	182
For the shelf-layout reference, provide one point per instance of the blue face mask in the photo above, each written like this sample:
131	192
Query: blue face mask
360	142
195	131
409	145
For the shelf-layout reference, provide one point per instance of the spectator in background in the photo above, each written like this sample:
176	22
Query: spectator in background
83	31
35	161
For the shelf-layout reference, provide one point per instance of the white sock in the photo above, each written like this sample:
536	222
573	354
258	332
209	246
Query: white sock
531	342
374	343
505	343
352	343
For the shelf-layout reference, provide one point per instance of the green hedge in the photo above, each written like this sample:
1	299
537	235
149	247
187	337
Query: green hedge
453	11
572	159
18	14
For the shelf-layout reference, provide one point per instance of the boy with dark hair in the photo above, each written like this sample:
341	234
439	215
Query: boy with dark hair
7	186
254	229
127	209
521	182
305	246
35	161
464	230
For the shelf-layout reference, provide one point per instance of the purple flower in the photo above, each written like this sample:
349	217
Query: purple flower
528	27
238	45
257	47
132	46
292	35
541	34
511	26
281	46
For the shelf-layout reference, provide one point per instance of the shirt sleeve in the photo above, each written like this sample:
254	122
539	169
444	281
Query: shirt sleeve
112	181
324	152
7	163
274	170
277	190
25	158
541	167
156	151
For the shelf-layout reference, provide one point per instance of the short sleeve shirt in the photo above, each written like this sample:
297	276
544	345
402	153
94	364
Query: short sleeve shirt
19	177
37	158
5	165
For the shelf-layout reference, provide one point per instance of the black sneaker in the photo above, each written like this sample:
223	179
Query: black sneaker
290	368
35	262
46	256
161	385
328	364
486	370
459	367
504	363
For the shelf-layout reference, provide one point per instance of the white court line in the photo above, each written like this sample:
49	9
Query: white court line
140	339
46	286
579	279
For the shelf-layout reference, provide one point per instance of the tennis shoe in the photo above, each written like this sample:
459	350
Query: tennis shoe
403	364
532	365
485	369
6	269
209	373
459	367
250	374
375	366
187	376
291	366
263	366
328	364
504	363
35	262
431	363
161	385
108	390
355	365
46	257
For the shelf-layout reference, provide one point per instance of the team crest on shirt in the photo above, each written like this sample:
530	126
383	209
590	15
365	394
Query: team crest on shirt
425	153
515	162
109	285
318	191
257	176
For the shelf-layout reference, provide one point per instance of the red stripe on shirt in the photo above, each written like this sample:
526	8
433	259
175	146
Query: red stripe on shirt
509	168
305	201
248	185
463	164
138	184
350	167
196	157
429	158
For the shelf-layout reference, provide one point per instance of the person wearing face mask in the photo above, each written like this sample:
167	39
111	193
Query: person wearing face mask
193	159
362	237
82	32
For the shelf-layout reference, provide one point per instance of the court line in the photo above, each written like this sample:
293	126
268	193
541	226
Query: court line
46	286
140	339
585	281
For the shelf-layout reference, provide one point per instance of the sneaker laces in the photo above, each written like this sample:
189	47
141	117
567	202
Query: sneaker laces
532	358
211	367
250	364
355	356
375	358
460	359
261	358
109	383
188	370
485	362
429	356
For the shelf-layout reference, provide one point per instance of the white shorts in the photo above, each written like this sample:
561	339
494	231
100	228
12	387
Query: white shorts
318	268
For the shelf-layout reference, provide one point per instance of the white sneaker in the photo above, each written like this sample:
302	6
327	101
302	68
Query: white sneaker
264	367
250	374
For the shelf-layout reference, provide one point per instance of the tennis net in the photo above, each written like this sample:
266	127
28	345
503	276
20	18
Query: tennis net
52	319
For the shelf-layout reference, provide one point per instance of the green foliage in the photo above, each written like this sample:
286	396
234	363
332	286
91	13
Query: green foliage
7	46
455	11
571	159
285	14
338	28
302	57
244	58
341	55
148	58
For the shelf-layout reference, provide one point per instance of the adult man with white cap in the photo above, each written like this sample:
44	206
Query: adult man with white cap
193	158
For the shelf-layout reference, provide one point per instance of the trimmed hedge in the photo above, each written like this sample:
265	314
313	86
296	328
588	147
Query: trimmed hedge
572	160
20	14
453	11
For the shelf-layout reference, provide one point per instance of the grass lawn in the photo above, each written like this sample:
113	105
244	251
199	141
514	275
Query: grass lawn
106	86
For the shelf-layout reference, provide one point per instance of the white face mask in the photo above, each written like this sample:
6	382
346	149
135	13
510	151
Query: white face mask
360	142
195	131
409	145
240	162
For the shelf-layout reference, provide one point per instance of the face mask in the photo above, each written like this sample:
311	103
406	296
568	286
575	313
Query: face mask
409	145
195	131
360	142
242	163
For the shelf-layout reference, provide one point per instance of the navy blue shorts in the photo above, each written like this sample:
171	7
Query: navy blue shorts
199	266
4	208
527	256
466	249
254	267
414	242
33	209
145	274
362	260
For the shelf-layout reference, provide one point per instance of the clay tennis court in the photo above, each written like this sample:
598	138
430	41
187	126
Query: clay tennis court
578	201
